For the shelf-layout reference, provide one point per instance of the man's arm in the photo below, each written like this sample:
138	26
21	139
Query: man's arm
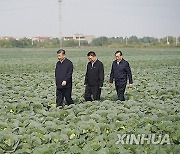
101	74
129	73
55	74
86	76
55	71
69	72
111	75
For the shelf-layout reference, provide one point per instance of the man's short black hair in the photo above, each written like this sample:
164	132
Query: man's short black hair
119	52
61	51
91	53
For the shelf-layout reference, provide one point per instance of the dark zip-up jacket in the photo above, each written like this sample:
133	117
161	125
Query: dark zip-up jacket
120	73
63	72
94	75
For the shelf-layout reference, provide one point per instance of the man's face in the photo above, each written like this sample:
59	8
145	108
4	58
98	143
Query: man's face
60	56
92	58
118	57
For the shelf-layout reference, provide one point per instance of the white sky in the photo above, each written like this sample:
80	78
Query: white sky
29	18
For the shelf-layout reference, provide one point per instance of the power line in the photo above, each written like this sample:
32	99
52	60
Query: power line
175	6
28	7
60	23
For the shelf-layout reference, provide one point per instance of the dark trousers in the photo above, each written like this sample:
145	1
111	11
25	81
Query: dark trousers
92	93
61	93
120	89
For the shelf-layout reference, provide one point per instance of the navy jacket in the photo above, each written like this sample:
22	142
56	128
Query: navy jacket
94	75
63	72
120	73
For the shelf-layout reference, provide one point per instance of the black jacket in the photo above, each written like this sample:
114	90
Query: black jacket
120	73
63	72
94	75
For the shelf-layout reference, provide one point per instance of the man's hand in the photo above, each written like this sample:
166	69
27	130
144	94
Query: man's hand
63	83
130	85
110	85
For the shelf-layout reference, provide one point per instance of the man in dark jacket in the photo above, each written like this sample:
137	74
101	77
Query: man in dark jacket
120	72
63	76
94	78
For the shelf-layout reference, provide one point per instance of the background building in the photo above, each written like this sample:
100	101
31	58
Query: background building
79	37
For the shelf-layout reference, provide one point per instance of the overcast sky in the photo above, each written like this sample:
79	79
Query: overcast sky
29	18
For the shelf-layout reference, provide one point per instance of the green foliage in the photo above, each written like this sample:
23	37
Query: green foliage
100	41
132	41
30	122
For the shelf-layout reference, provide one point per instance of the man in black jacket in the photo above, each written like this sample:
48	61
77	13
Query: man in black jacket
120	72
63	76
94	78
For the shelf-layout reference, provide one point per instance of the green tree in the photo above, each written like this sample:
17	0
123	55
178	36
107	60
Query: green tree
100	41
70	43
133	39
148	40
14	43
25	42
170	39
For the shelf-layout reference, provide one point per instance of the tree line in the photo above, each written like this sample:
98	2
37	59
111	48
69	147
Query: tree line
132	41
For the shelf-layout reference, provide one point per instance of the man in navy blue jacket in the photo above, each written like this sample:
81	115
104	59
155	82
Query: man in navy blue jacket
94	78
63	76
120	72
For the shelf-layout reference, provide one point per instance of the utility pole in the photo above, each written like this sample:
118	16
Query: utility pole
176	41
126	40
60	24
32	43
167	40
102	42
79	41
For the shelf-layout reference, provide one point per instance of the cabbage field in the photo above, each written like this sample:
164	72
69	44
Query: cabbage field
31	124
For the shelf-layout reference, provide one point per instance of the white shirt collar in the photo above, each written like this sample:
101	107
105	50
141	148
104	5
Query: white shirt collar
93	62
61	61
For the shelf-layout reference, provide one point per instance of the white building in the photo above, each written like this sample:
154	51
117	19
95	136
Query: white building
79	37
